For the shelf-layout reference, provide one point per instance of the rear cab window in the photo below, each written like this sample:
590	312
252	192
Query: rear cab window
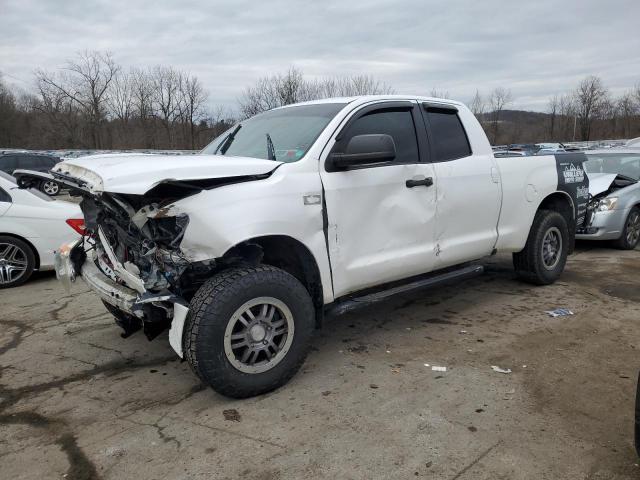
446	133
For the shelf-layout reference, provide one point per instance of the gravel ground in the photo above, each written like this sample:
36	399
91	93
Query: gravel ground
79	402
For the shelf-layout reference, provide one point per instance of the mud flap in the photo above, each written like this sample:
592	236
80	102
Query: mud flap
573	180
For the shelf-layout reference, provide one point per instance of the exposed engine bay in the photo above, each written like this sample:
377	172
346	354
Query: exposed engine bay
144	241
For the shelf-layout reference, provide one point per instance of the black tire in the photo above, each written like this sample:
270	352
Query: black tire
49	187
15	253
530	264
630	234
212	310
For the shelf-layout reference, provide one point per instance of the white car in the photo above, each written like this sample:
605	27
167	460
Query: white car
304	211
32	227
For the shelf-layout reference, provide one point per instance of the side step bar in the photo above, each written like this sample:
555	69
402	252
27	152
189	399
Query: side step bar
343	306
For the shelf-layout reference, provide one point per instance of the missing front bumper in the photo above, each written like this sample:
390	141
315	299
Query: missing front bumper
120	296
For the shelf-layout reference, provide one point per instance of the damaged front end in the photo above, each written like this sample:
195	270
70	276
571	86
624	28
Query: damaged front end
602	199
131	257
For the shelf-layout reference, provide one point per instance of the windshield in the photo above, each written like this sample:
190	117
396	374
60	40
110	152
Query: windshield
627	164
285	133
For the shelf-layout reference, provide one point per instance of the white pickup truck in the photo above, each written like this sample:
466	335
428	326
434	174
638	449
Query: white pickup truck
303	211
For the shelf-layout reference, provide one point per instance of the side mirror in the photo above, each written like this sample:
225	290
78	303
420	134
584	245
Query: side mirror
363	150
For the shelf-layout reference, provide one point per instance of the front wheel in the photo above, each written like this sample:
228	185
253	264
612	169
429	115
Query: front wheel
248	330
544	256
631	232
17	262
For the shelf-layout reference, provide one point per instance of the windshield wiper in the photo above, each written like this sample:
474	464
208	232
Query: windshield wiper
226	143
271	151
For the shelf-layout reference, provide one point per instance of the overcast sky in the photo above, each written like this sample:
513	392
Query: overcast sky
536	48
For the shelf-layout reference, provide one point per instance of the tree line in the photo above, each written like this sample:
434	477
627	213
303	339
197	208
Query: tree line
95	103
588	112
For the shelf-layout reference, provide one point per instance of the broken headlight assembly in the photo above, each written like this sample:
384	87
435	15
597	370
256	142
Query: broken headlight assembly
607	204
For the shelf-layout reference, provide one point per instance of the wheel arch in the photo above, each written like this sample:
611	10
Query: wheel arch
25	240
288	254
562	203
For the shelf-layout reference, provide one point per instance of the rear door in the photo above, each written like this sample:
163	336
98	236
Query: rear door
468	189
379	227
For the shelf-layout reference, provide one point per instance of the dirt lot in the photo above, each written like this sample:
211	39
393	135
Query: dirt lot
77	401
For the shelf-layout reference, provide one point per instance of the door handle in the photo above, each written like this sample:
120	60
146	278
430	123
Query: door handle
417	182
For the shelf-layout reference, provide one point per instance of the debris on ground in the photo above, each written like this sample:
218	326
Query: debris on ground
231	415
559	312
500	370
359	349
435	368
115	452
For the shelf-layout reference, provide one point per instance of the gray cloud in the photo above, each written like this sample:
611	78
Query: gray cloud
536	49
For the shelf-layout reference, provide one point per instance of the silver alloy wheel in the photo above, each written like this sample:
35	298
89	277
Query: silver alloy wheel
633	228
13	263
50	188
551	248
259	335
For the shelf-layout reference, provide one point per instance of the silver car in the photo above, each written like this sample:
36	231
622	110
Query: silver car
614	197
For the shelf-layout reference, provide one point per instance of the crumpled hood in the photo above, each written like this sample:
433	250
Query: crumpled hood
600	182
139	173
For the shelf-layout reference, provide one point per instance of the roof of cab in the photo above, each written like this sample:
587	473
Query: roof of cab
361	99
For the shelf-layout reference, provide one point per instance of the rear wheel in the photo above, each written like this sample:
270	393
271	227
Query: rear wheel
17	262
50	187
631	232
543	258
248	330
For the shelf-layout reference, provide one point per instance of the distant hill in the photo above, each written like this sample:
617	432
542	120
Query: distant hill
521	126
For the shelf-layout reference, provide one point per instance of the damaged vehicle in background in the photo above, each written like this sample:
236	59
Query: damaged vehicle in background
614	205
304	211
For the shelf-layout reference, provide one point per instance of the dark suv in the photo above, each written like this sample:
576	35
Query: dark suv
31	161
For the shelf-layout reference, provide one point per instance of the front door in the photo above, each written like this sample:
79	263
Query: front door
381	228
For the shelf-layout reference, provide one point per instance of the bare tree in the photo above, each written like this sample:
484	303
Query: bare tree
62	114
85	81
435	93
590	97
120	104
121	99
7	113
498	100
567	117
477	105
552	109
628	108
192	105
292	87
165	82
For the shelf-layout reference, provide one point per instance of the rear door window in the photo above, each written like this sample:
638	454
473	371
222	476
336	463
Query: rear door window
448	136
